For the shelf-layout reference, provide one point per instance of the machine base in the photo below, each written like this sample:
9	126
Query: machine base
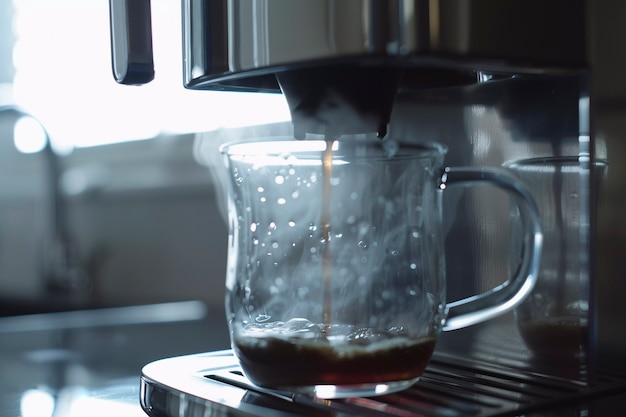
211	384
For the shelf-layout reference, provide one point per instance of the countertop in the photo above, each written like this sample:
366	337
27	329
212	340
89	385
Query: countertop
88	363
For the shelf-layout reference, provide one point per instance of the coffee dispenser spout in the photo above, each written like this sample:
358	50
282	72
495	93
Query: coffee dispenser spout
341	99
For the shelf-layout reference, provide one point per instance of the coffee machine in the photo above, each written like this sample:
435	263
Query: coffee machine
533	86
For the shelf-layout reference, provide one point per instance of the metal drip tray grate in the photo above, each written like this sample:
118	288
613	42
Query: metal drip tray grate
212	384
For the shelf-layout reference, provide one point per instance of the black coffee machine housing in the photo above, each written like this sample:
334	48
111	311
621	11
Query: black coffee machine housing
497	81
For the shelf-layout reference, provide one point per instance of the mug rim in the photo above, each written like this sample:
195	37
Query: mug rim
313	147
551	161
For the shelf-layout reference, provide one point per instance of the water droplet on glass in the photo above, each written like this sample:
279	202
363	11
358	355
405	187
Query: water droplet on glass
260	189
312	227
272	226
281	201
291	223
295	194
253	227
263	199
262	318
362	244
354	196
262	328
275	245
237	176
279	179
302	327
398	330
413	265
363	336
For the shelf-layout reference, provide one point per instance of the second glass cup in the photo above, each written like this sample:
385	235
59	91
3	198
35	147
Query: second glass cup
335	278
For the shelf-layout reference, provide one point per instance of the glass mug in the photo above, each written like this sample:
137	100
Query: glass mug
554	319
335	280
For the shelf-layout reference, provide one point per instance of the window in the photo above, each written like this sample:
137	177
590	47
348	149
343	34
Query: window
63	77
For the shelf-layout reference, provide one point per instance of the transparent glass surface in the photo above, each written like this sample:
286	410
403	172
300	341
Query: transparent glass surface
335	277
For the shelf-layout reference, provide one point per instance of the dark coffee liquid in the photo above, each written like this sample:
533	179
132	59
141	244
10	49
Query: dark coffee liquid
558	346
555	337
283	363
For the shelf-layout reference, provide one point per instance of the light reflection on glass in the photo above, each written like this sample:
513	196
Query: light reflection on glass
282	153
325	391
382	388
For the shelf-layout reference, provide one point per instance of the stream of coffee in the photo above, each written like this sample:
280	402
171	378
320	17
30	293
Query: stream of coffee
327	161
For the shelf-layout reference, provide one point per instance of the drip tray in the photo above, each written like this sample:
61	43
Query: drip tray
211	384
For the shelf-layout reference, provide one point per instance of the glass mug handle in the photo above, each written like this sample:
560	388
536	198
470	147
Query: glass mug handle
492	303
